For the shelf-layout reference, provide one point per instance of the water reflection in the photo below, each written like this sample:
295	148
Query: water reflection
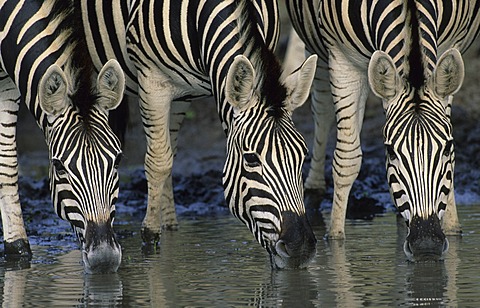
215	263
103	289
14	287
341	276
427	283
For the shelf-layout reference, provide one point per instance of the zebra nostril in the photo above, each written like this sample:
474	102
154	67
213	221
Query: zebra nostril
408	250
445	246
281	248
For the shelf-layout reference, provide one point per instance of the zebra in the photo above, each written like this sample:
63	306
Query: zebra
45	65
409	54
177	51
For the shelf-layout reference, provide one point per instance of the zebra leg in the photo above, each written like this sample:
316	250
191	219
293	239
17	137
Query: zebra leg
14	234
349	91
168	216
450	222
167	213
155	103
323	115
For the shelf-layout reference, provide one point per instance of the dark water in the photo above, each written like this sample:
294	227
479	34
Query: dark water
215	262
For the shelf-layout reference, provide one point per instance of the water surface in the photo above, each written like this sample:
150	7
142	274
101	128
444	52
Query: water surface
216	262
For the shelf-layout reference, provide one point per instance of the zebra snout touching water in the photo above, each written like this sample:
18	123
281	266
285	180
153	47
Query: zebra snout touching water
45	65
85	155
101	252
296	245
425	240
419	146
177	51
263	170
408	53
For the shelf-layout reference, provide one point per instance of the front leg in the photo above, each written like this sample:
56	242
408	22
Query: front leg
323	116
450	223
14	234
155	103
349	91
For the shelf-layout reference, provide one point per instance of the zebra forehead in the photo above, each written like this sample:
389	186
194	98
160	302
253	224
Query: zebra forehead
273	131
419	127
418	111
78	140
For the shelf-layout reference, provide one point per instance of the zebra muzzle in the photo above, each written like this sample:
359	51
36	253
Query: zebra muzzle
425	240
101	252
296	246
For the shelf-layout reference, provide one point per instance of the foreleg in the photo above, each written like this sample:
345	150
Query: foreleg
349	91
450	223
14	234
156	95
323	116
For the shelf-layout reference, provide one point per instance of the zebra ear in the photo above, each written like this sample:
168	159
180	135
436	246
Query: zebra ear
240	82
110	85
298	83
382	76
52	91
449	73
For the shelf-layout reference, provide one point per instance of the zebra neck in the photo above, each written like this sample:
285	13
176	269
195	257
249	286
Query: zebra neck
250	28
36	35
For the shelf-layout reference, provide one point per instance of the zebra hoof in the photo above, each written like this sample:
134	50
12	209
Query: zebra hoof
313	198
150	247
150	238
18	250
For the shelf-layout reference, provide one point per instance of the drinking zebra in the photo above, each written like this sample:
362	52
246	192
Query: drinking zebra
45	65
408	52
182	50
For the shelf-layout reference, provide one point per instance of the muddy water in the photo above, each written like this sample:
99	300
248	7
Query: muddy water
215	262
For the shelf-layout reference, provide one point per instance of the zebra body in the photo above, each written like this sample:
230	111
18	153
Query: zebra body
182	50
408	53
42	66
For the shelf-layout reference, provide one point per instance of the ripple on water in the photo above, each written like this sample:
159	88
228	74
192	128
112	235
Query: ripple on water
216	262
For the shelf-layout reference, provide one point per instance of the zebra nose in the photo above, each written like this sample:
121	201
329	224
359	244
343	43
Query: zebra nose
281	249
103	259
101	251
426	250
426	240
296	246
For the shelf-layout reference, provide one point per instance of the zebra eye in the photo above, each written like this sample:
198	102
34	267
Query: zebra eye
118	159
59	167
390	152
251	160
448	148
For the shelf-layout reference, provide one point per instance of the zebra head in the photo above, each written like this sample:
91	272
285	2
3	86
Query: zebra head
263	170
84	156
419	147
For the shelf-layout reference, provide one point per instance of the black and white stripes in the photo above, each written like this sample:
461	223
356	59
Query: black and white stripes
44	64
408	52
182	50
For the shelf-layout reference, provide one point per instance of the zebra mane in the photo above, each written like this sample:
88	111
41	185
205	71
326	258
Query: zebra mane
268	69
79	66
416	74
